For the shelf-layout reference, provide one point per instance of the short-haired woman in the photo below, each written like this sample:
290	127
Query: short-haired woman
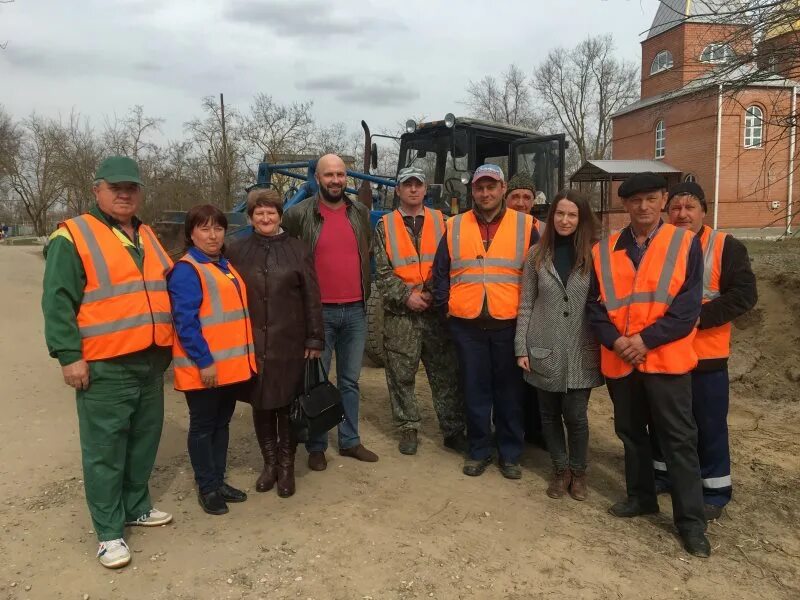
286	310
554	344
213	349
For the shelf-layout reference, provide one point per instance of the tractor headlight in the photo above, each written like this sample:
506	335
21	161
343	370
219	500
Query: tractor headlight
411	126
449	120
465	177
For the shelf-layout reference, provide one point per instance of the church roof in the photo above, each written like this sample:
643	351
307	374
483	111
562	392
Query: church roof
672	13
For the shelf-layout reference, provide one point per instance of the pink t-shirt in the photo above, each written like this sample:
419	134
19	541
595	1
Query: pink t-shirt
336	258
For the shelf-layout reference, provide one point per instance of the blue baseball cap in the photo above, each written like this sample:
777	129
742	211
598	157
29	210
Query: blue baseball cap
488	170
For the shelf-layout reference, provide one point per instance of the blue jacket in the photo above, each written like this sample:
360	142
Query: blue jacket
186	295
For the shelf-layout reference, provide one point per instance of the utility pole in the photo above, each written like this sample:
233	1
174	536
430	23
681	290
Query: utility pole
225	170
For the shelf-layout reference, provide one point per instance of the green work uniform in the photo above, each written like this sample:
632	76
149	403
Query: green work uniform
121	414
409	337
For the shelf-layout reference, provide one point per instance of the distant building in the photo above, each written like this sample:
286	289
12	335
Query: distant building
735	138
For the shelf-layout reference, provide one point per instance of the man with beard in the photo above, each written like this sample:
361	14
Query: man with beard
476	280
337	230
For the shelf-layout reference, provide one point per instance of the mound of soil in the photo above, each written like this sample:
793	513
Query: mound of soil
765	361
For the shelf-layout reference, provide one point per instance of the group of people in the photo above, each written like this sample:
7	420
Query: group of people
506	313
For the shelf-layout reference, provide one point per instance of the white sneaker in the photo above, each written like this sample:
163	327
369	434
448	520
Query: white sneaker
152	518
114	554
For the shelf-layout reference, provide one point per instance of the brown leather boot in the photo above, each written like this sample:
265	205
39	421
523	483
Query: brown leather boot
266	427
286	451
559	483
577	488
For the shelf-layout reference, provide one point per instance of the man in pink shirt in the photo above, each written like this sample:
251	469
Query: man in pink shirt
338	231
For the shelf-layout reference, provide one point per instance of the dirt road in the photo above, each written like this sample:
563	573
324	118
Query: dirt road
402	528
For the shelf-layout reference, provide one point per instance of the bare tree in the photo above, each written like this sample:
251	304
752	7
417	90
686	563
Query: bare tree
32	173
80	154
222	157
509	100
9	139
274	129
582	88
129	136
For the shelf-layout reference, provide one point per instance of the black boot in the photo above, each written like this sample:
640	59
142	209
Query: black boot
266	426
213	503
286	451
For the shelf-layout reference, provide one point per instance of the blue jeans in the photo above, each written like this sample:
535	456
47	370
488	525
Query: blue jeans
345	334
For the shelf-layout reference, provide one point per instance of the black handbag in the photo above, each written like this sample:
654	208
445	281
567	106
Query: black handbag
318	408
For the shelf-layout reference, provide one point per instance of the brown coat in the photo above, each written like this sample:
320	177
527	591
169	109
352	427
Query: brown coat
285	312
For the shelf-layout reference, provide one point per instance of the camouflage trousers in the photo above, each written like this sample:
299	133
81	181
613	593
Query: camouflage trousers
406	340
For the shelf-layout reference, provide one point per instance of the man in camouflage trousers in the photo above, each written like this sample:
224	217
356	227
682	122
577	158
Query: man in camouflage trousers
404	245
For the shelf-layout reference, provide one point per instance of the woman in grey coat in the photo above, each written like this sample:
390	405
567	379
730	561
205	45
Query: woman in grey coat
554	344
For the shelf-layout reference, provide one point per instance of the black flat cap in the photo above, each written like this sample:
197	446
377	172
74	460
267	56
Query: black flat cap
641	182
688	187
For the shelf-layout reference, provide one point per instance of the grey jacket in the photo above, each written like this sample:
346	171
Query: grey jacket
304	221
553	332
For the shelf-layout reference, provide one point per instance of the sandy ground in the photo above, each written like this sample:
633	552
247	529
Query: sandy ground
405	527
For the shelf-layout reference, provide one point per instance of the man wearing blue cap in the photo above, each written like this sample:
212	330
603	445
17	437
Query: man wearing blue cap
477	273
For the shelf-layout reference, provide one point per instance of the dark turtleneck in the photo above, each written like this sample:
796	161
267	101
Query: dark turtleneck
564	255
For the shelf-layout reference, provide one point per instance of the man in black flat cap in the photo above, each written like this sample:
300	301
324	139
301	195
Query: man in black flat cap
643	304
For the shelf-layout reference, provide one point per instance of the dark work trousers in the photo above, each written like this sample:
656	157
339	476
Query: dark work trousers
491	381
570	409
667	401
710	399
210	413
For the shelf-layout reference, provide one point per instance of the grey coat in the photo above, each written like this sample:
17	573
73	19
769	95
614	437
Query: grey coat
553	332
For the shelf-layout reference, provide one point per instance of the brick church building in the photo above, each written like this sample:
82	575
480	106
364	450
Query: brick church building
696	116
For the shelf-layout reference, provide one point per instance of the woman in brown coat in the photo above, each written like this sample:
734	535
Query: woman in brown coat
286	315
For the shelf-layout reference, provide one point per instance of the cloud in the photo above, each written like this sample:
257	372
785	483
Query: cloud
387	91
307	18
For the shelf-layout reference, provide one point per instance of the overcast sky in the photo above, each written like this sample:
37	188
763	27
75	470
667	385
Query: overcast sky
356	59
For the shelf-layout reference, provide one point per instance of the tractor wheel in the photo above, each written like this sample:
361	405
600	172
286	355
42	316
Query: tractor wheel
374	347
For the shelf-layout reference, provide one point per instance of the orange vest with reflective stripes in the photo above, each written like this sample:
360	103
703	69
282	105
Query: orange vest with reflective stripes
123	310
225	325
493	274
414	269
716	341
637	298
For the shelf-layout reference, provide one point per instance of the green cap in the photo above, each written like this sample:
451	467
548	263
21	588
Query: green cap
521	181
116	169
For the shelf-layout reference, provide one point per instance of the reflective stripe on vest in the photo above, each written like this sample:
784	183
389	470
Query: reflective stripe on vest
412	267
123	310
714	342
225	325
637	298
493	275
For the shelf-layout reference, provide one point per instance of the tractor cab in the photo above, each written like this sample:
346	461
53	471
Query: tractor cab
450	150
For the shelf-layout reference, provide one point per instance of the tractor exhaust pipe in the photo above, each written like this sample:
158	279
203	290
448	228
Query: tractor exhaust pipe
365	190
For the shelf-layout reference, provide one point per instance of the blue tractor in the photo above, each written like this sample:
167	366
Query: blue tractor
448	151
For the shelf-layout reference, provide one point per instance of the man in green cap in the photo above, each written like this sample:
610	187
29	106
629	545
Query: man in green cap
107	321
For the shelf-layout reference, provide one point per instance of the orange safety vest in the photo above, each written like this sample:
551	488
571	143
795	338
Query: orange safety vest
637	298
123	310
716	341
225	325
493	274
414	269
